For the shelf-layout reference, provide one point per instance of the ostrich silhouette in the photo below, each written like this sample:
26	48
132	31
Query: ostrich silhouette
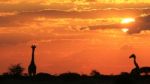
137	70
32	66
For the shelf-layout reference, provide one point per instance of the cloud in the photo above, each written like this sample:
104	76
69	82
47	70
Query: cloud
51	18
21	18
14	38
91	0
34	5
95	27
19	1
141	23
23	5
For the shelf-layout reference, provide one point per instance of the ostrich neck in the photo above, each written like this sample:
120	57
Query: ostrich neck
135	63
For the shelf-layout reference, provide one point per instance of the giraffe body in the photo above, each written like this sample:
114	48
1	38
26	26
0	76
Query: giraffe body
32	66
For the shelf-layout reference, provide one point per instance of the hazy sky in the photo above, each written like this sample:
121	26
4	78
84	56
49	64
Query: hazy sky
55	27
23	5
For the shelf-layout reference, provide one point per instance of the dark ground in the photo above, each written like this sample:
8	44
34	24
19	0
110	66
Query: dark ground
73	78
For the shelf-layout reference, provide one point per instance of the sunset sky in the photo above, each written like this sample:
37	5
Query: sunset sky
70	37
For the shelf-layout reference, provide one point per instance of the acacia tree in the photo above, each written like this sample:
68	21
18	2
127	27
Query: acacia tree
16	70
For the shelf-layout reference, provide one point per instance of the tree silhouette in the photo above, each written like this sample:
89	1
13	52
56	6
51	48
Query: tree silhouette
16	70
95	73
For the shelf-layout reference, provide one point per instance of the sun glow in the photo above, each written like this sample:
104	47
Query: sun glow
125	30
127	20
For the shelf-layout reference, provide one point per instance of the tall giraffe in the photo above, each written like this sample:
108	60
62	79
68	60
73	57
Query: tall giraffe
32	66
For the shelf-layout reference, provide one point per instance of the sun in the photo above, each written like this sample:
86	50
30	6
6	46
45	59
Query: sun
125	30
127	20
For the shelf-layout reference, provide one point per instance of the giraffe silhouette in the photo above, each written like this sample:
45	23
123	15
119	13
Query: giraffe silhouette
137	70
32	66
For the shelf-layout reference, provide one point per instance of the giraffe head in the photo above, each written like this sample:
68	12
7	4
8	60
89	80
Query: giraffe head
133	56
33	46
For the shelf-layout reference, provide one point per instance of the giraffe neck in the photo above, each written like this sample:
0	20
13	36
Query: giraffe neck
136	64
32	60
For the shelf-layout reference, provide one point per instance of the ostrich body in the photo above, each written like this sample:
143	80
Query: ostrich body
137	70
145	70
32	66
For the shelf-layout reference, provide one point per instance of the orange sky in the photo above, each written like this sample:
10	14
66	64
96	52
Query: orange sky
54	26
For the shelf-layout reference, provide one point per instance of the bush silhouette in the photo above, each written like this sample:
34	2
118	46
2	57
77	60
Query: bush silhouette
44	76
69	76
16	70
95	73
